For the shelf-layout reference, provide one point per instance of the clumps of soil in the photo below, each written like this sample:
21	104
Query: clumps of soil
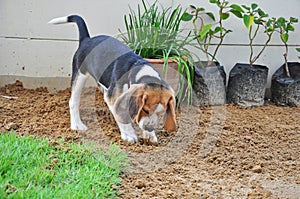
217	152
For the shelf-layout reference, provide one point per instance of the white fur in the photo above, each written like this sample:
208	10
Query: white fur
148	121
143	122
151	121
111	107
59	20
146	71
104	89
159	108
74	103
150	135
127	132
125	88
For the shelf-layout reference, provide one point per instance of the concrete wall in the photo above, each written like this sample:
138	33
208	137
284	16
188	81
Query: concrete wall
32	48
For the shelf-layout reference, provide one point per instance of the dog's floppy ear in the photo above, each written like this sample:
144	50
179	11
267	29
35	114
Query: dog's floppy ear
170	120
127	105
140	102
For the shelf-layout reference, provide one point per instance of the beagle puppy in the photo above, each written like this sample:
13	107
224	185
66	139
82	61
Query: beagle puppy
133	89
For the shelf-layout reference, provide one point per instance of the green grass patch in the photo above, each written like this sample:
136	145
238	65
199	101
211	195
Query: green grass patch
41	168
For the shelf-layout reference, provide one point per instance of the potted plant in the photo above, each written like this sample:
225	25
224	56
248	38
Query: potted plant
286	80
246	84
154	33
210	77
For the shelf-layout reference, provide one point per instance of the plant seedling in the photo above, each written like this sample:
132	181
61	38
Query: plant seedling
254	19
207	32
284	27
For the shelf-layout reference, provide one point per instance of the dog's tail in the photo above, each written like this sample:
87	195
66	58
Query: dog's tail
82	28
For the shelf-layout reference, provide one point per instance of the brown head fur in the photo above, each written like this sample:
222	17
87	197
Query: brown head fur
148	97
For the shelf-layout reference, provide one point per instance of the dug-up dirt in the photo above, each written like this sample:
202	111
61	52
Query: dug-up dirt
216	152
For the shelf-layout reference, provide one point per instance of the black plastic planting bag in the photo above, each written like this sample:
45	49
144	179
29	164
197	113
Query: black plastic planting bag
286	90
209	86
246	85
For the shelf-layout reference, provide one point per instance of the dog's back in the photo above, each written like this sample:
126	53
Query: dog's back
98	55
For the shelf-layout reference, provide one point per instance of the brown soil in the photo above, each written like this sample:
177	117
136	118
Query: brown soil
217	152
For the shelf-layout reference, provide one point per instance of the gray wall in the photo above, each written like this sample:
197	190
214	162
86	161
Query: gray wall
32	48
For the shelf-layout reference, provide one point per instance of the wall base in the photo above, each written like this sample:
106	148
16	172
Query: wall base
52	83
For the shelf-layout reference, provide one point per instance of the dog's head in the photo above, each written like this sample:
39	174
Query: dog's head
147	101
154	100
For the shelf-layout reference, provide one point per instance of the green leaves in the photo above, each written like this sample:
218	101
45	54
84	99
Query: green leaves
186	16
284	37
254	16
261	13
284	27
293	20
248	20
250	14
204	31
254	6
246	7
224	16
237	10
211	15
209	27
269	25
254	19
289	27
217	29
236	13
151	29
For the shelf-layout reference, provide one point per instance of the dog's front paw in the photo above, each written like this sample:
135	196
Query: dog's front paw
127	132
129	137
79	126
150	137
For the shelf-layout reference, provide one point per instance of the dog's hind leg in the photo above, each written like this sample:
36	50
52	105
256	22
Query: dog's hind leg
74	103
